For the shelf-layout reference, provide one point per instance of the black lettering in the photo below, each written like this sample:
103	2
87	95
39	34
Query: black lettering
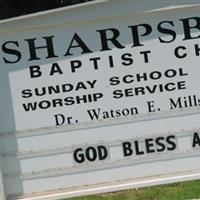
127	58
55	69
29	106
97	96
127	150
95	62
128	79
171	140
78	155
166	31
196	140
151	107
175	104
145	54
48	46
197	49
114	80
113	39
91	154
75	64
69	101
137	148
179	52
26	93
94	113
35	71
149	143
136	35
60	119
11	51
188	27
160	146
102	152
79	43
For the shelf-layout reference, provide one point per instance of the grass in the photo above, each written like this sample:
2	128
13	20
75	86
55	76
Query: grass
176	191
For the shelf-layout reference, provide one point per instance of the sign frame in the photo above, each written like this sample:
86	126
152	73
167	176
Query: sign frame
31	134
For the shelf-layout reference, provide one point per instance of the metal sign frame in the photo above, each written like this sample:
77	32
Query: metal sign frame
25	146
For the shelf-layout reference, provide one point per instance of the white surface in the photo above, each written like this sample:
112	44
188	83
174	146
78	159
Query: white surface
38	157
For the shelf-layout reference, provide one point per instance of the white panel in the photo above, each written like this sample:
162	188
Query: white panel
144	90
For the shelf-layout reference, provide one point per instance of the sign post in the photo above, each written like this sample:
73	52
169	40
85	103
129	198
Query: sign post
2	196
104	103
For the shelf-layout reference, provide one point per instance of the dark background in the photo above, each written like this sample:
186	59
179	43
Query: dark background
13	8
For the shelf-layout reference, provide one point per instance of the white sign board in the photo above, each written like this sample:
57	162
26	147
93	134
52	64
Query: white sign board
126	69
104	103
